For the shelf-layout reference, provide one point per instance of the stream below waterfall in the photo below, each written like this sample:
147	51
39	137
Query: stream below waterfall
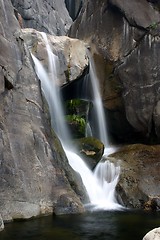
101	225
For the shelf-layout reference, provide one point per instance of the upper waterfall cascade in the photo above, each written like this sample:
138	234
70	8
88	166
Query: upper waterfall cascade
97	104
100	184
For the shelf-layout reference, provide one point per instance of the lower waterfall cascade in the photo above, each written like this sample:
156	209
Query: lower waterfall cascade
100	184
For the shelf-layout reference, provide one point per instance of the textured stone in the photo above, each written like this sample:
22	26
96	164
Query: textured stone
1	224
34	171
46	16
124	35
139	12
139	177
153	234
71	53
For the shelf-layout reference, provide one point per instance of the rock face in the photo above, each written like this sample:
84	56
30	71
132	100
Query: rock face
153	234
35	177
139	177
124	40
46	16
1	224
71	53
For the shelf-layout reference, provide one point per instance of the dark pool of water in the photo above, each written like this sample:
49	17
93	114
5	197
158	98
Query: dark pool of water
127	225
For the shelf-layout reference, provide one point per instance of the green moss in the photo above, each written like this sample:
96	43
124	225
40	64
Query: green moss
78	122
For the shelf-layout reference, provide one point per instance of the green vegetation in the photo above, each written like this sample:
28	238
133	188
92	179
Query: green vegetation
77	121
76	117
153	26
73	104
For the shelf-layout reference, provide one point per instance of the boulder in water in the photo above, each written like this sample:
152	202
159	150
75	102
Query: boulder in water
90	149
139	177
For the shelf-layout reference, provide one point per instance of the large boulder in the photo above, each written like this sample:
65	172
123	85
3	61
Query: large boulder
124	40
71	53
34	172
138	185
153	234
46	16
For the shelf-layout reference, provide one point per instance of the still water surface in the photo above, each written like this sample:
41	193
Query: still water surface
128	225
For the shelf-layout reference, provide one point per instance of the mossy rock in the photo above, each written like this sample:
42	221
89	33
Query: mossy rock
90	149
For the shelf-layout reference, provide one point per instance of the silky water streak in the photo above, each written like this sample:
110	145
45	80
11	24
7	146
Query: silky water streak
101	192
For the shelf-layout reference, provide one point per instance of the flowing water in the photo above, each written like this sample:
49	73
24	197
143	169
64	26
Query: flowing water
97	105
99	186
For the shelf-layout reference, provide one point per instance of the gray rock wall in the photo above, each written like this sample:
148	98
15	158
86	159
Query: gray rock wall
124	35
46	16
35	177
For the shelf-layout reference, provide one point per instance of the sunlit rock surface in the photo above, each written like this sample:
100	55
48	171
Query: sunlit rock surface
124	36
153	234
34	173
71	53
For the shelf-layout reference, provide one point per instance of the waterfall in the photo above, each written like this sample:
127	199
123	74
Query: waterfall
97	104
49	83
100	185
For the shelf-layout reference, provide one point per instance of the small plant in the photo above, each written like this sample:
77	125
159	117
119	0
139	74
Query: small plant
76	110
153	26
78	122
73	104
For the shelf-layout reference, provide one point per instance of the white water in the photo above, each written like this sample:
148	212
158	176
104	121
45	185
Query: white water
97	104
49	85
100	185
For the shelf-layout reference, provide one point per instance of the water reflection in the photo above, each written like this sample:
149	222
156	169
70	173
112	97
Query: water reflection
89	226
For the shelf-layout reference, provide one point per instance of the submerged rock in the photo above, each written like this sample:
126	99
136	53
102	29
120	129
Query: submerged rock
139	177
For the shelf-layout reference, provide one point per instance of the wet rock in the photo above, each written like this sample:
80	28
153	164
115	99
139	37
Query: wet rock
153	234
124	43
74	7
90	149
70	205
139	176
34	171
71	53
